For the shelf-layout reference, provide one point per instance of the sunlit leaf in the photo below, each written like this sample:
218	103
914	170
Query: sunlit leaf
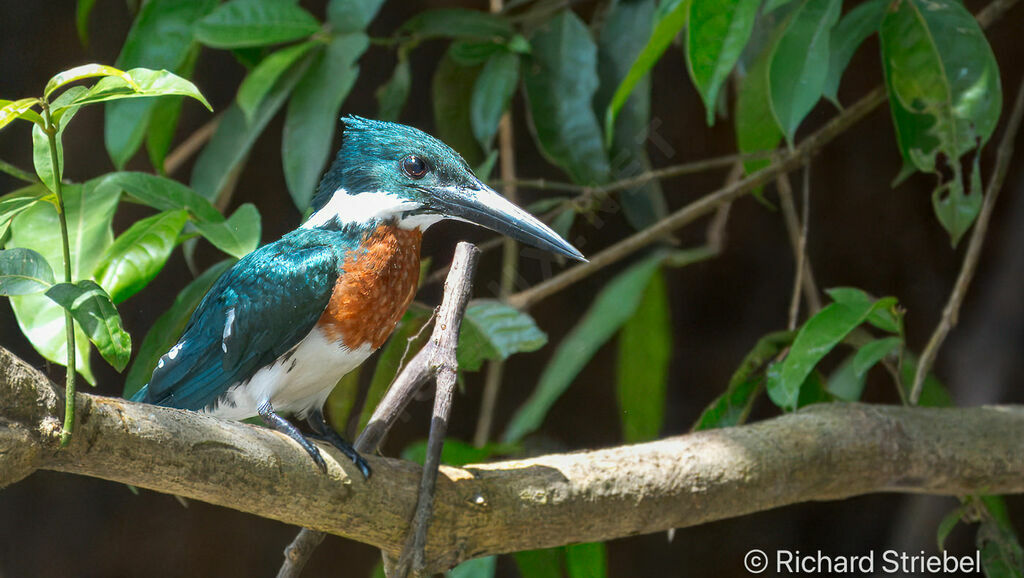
237	236
241	23
717	33
85	71
492	330
10	111
91	307
24	272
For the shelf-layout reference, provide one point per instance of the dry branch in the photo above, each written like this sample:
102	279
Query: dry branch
824	453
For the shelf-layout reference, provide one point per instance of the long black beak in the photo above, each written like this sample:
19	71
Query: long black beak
481	205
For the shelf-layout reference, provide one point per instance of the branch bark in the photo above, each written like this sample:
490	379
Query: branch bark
826	452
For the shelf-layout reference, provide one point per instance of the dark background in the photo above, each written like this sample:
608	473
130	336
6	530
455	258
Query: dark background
862	233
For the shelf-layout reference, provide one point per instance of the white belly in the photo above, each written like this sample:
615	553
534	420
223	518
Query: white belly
299	381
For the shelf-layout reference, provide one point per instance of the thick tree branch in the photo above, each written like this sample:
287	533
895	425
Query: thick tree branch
826	452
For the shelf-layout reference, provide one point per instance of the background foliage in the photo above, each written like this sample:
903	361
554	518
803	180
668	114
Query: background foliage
600	92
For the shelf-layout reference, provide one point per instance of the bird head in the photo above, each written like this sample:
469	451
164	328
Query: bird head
388	172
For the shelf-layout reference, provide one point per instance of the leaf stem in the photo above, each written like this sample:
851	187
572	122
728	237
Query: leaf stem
69	324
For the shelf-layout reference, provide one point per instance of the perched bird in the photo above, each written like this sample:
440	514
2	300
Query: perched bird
279	329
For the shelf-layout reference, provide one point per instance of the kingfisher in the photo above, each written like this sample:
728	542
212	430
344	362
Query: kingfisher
278	330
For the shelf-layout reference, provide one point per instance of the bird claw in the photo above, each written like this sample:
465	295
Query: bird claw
347	449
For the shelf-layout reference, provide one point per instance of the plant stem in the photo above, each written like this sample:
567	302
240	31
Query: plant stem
69	323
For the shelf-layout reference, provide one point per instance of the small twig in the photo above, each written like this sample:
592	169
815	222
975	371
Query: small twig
973	254
190	145
803	281
435	358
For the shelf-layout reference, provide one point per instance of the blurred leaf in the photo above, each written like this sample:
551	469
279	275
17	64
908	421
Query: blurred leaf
563	222
234	137
949	521
457	452
492	330
347	16
342	399
812	390
161	193
82	72
871	353
390	357
89	212
945	96
147	83
645	351
163	120
169	326
392	95
475	568
799	62
717	33
83	8
560	85
845	383
859	23
312	116
262	79
452	90
23	272
546	563
626	30
238	236
160	38
9	111
241	23
668	25
138	254
933	394
1001	552
612	307
818	336
457	23
586	560
756	128
475	52
91	307
492	93
732	407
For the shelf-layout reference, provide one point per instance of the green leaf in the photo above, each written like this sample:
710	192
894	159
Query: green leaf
645	351
82	72
238	236
9	111
169	326
475	568
756	128
138	254
933	394
799	62
91	307
262	79
163	121
492	330
944	94
845	383
234	137
160	38
457	23
612	307
161	193
717	33
457	452
626	30
818	336
41	159
452	91
82	10
347	16
1001	552
560	85
859	23
391	356
240	23
492	93
23	272
342	400
312	116
89	212
586	560
732	407
545	563
475	52
871	353
15	202
949	521
147	83
668	26
392	95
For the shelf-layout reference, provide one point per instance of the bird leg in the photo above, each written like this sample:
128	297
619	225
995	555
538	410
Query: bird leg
282	425
325	432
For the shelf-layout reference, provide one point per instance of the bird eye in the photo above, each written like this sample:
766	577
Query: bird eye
414	166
